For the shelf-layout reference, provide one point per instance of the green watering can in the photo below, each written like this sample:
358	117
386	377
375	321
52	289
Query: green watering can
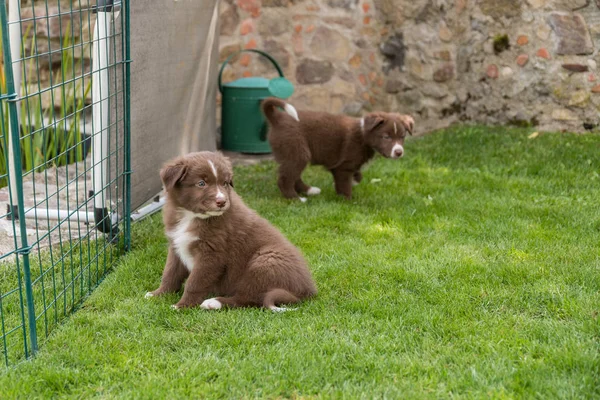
243	126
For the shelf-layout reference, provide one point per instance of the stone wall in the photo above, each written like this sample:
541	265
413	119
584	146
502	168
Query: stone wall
524	62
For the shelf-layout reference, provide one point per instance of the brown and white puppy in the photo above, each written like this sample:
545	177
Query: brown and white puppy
221	246
340	143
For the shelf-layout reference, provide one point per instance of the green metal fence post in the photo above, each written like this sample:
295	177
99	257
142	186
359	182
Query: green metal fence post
15	140
127	138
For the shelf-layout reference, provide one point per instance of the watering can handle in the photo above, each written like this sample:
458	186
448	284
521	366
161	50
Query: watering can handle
262	53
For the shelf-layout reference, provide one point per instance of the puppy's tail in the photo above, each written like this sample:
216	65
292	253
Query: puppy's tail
269	106
278	296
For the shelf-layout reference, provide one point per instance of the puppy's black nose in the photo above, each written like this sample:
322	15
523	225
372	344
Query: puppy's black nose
398	153
221	203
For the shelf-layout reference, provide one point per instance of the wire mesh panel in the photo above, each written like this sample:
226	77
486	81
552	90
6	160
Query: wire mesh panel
64	164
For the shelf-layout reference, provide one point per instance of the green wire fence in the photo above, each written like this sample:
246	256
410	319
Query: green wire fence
64	160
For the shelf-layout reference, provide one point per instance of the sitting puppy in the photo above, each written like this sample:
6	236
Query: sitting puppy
221	246
340	143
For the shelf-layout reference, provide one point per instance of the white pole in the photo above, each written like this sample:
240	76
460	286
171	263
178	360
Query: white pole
100	106
14	31
59	215
148	210
100	111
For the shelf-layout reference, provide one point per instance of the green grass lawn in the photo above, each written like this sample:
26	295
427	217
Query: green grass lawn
471	269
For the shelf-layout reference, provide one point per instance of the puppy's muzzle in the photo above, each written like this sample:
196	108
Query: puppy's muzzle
397	151
221	203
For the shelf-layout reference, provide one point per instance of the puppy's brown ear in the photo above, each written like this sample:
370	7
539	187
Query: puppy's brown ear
372	122
170	174
227	163
408	122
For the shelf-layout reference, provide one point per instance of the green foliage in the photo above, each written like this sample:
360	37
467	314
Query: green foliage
501	43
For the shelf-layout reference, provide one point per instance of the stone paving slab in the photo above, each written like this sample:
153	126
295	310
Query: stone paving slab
66	187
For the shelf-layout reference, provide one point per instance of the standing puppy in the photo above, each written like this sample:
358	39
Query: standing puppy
340	143
221	246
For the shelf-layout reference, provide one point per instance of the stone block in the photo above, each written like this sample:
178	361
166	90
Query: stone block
418	69
434	90
522	40
227	51
522	59
250	6
572	34
247	27
389	12
579	98
543	31
445	33
492	71
355	61
274	22
444	73
507	72
562	114
353	108
310	71
330	44
535	4
278	52
576	67
346	4
394	86
228	20
543	53
500	8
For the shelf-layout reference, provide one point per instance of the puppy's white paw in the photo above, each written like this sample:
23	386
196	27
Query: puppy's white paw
302	199
282	309
174	307
354	183
148	295
211	304
313	191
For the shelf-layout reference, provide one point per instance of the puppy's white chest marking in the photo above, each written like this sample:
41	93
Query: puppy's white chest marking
182	238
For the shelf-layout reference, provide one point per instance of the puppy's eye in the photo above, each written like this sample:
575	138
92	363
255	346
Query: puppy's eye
386	136
225	183
201	184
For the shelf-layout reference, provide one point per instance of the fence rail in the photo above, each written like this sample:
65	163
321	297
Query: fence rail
64	160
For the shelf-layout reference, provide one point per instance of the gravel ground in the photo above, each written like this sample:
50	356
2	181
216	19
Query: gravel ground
53	183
